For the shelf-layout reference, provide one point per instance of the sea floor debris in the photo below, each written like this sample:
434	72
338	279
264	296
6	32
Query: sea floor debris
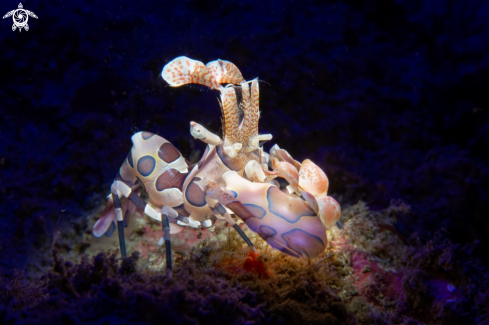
369	274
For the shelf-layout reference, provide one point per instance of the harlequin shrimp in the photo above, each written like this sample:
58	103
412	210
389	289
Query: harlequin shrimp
235	176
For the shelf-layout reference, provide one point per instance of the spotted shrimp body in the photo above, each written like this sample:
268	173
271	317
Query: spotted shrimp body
233	177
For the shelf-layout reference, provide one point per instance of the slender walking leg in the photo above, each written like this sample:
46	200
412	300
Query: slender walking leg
148	210
120	223
219	209
166	234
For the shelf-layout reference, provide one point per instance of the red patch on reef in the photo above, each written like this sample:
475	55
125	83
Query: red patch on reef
254	265
374	282
251	265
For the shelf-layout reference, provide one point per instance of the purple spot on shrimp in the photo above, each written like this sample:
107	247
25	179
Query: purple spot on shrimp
170	178
146	135
194	194
280	246
304	243
266	232
168	153
146	165
256	210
